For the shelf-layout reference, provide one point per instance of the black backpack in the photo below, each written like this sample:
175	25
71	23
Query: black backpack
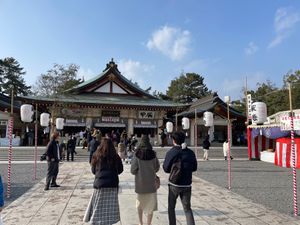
175	172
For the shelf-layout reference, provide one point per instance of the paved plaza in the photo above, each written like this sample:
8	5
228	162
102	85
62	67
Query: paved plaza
67	204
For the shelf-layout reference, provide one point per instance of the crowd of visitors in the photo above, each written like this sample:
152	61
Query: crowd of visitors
107	155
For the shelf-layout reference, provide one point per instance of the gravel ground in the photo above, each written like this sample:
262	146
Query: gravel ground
261	182
21	178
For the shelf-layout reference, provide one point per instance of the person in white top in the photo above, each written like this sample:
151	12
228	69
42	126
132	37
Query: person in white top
225	150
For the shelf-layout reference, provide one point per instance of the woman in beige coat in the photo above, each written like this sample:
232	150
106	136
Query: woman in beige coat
144	166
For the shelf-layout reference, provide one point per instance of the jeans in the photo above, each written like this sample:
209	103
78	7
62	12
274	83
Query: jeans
185	196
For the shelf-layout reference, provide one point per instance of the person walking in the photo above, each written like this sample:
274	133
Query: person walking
106	165
206	145
183	186
71	145
53	158
225	149
94	145
144	166
122	150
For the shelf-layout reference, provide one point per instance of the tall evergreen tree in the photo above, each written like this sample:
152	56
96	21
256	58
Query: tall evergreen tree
57	80
187	88
11	77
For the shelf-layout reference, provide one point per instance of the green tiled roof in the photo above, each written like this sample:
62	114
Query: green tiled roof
99	99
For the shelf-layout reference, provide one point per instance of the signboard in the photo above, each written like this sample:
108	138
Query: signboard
249	102
285	122
146	115
108	113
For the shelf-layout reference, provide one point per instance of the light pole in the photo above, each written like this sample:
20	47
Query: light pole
293	151
227	100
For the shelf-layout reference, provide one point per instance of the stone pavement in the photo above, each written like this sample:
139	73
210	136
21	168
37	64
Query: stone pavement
66	205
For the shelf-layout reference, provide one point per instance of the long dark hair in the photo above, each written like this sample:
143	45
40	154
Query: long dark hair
105	154
145	150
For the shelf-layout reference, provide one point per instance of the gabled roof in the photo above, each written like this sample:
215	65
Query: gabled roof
5	103
211	103
110	77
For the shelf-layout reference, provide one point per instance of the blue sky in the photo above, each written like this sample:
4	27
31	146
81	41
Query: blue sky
153	42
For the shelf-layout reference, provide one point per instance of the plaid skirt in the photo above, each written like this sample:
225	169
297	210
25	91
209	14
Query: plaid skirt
103	208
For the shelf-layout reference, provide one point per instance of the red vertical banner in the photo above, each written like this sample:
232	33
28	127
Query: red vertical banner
249	142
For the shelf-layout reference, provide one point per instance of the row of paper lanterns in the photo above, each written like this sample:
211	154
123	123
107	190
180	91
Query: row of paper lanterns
27	113
208	118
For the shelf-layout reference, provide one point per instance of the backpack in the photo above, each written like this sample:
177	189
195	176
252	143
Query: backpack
175	172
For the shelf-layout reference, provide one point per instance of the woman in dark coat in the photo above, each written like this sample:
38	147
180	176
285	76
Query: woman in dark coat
103	208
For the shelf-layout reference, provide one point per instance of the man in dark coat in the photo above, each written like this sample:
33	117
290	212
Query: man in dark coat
71	145
183	186
53	158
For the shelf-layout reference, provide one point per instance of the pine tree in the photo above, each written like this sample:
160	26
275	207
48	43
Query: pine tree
11	77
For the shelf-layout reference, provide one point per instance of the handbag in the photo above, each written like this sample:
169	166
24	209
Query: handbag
157	182
175	172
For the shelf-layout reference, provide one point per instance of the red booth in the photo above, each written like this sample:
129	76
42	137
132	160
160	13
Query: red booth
283	156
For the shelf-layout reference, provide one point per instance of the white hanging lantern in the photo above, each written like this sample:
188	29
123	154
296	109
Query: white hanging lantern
59	123
227	99
259	112
185	123
208	118
169	126
44	119
26	113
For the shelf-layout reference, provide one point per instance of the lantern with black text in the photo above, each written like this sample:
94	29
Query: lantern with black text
26	113
44	119
169	126
59	123
208	118
185	123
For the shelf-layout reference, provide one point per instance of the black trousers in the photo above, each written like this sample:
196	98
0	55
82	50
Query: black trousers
185	196
52	172
72	155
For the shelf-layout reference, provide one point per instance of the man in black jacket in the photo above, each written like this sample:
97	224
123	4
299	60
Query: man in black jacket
53	158
183	187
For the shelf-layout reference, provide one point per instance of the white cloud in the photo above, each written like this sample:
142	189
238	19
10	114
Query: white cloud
135	71
284	22
85	73
251	48
172	42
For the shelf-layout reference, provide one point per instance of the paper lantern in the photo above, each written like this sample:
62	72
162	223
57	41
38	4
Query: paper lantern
208	118
169	126
227	99
59	123
44	119
259	112
26	113
185	123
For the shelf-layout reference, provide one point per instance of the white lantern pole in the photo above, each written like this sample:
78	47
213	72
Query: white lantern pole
10	130
293	152
227	100
35	141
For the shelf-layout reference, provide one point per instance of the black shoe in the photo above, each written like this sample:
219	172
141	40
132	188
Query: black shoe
225	157
46	188
54	185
